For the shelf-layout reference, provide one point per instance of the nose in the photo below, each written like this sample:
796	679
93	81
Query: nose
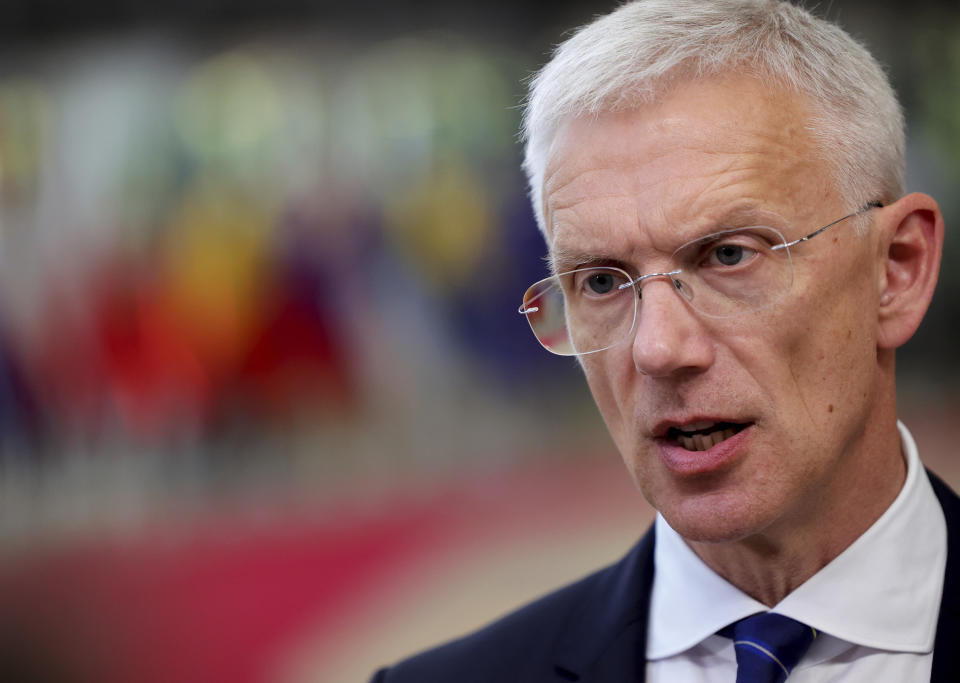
669	338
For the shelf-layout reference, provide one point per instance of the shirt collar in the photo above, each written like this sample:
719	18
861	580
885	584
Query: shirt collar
883	591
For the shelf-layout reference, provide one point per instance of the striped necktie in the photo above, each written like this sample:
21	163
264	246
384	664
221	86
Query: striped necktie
768	646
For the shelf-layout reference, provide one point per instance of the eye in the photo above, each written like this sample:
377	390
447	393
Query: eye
729	254
601	283
598	282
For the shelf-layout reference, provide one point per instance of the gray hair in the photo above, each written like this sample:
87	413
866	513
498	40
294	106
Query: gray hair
629	57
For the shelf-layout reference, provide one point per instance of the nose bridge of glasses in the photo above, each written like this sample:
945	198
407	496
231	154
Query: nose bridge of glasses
638	281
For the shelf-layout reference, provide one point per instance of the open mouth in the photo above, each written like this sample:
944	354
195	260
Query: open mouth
700	436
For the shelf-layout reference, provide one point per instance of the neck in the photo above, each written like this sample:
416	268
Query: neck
769	565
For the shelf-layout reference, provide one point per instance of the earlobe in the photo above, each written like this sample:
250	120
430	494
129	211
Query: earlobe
911	246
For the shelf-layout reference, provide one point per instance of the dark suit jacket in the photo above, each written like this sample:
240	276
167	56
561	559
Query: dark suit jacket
595	630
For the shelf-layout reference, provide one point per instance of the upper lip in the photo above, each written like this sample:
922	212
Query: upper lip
662	427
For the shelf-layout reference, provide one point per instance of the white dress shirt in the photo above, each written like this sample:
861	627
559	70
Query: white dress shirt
875	605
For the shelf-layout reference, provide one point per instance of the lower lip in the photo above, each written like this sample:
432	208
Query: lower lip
686	463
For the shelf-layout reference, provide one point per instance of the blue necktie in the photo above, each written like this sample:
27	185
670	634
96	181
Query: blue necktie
768	646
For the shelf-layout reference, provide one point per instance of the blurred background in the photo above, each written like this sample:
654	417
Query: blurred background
267	410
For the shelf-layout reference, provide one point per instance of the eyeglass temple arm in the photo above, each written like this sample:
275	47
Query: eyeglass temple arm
862	209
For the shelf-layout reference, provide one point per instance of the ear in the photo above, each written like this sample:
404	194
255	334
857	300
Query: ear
910	247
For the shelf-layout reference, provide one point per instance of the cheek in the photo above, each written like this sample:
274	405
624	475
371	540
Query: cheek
832	353
609	376
842	363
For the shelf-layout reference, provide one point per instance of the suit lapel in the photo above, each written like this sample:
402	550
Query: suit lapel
605	640
946	648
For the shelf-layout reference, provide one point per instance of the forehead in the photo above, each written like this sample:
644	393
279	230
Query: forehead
721	150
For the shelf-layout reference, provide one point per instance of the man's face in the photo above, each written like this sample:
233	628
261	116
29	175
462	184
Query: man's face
798	382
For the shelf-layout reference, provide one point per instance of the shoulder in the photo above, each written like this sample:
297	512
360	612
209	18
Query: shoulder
521	645
946	656
501	650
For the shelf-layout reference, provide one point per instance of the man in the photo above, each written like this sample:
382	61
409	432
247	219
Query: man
720	186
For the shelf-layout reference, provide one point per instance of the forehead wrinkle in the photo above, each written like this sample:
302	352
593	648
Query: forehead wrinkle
581	203
585	182
745	180
737	166
607	236
574	246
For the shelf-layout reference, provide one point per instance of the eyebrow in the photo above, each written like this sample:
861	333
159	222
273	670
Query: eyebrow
561	260
747	216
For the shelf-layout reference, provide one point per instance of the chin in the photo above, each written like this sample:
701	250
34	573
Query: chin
709	531
715	519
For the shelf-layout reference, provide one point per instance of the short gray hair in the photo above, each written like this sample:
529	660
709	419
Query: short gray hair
629	57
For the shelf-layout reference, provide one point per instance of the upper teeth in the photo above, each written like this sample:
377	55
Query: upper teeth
695	426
